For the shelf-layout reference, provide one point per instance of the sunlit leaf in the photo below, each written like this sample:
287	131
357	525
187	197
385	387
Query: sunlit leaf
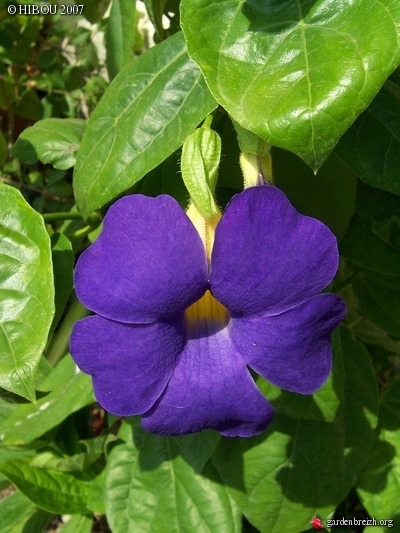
297	72
143	117
70	391
52	140
26	292
158	480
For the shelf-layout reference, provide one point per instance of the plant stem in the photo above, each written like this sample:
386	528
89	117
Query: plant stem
59	345
69	215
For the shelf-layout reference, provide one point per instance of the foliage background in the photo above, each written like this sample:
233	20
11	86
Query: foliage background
314	78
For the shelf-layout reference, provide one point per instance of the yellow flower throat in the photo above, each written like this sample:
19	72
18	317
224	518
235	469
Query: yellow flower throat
207	311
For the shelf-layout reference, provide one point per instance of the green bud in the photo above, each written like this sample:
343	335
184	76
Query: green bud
201	153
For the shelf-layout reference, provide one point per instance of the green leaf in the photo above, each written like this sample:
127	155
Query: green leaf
201	154
372	145
373	239
70	391
63	265
379	300
378	485
18	515
250	142
295	73
152	480
52	140
120	35
14	510
155	10
6	408
372	244
94	10
164	179
143	117
26	292
301	468
50	490
329	196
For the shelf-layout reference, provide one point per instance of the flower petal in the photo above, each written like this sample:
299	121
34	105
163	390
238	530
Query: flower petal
130	364
148	263
210	388
291	350
267	256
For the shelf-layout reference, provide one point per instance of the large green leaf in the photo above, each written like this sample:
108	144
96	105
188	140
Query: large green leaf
373	239
120	35
329	196
50	490
70	391
157	481
26	292
300	468
372	244
379	482
372	145
297	72
52	140
143	117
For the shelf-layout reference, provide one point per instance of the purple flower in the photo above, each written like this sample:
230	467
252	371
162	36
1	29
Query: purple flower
173	337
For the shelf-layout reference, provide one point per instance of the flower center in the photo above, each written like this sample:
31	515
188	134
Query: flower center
206	316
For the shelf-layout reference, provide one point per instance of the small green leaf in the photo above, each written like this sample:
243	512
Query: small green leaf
70	391
250	142
94	10
26	292
143	117
50	490
120	35
201	154
153	480
155	11
296	73
52	140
